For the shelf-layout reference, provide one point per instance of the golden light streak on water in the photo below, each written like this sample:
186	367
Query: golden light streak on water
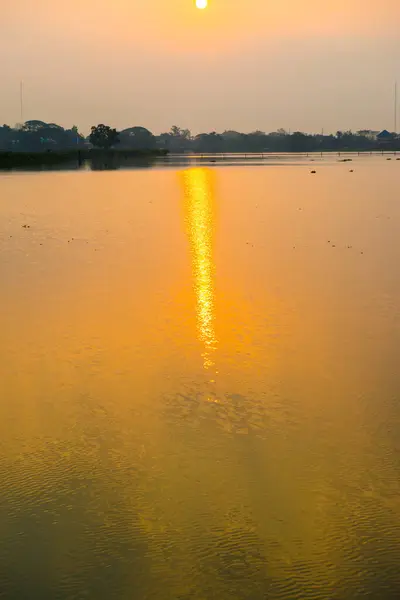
200	222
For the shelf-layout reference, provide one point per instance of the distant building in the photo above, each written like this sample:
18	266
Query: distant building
385	136
368	133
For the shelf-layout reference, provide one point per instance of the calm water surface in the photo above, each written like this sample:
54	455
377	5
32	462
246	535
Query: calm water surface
199	383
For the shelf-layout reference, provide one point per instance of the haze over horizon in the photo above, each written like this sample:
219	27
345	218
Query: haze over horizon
237	65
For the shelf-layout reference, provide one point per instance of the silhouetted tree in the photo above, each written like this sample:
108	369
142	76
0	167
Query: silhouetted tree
164	141
33	125
6	137
209	142
300	142
103	136
137	138
177	139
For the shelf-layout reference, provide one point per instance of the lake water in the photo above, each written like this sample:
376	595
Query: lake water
200	383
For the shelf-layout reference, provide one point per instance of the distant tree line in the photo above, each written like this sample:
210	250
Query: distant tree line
178	140
38	136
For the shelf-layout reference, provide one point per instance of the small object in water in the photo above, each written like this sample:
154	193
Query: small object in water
312	172
333	245
351	171
388	159
26	226
362	252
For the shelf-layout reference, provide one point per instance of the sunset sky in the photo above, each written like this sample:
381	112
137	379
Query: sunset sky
245	65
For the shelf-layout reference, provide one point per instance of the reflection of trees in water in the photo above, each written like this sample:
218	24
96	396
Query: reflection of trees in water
93	517
119	160
74	538
96	530
230	564
232	413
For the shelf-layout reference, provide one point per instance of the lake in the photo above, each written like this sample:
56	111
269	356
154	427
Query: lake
200	382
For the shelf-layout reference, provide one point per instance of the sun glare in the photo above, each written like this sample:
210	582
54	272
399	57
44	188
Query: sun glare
201	3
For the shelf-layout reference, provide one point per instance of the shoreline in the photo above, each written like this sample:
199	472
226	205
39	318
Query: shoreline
9	160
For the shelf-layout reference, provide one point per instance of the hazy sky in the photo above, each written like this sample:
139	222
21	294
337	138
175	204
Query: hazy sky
240	64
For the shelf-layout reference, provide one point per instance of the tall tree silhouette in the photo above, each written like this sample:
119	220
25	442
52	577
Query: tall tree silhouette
103	136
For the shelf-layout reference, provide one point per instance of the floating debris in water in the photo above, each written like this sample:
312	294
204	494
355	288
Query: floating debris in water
26	226
312	172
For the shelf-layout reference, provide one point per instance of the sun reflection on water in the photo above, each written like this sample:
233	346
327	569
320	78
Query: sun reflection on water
200	223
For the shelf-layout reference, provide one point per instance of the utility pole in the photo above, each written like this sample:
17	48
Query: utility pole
395	107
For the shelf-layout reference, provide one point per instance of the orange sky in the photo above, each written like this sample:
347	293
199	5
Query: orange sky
243	65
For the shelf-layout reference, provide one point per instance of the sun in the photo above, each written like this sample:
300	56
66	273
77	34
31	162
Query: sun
201	3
